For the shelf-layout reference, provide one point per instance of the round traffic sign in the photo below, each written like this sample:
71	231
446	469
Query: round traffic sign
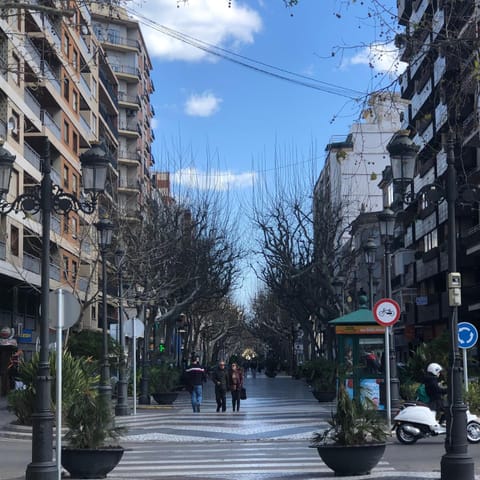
386	312
467	335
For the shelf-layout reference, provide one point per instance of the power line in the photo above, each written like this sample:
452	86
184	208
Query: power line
261	67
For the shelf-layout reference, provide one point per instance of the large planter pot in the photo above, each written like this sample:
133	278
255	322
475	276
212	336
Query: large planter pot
165	398
89	462
322	396
348	460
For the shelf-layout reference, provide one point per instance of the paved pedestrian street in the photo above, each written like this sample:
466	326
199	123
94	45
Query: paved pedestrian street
268	439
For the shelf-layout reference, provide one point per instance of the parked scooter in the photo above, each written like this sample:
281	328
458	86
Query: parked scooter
416	421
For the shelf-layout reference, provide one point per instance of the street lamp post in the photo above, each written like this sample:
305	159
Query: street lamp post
121	408
105	230
456	463
144	398
48	198
370	249
386	222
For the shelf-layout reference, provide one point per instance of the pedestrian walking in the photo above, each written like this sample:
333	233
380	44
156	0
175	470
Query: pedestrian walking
195	377
220	378
235	379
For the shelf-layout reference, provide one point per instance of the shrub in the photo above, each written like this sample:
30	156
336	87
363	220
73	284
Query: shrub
472	397
77	376
164	378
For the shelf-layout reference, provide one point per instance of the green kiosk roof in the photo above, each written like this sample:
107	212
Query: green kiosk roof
362	316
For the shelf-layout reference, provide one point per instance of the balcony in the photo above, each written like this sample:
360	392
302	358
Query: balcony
441	115
130	99
113	38
31	156
31	263
32	103
419	9
51	125
128	184
439	69
3	251
426	269
128	126
125	70
125	155
441	163
470	128
438	22
419	99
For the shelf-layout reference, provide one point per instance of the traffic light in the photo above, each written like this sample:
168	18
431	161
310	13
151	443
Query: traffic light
161	347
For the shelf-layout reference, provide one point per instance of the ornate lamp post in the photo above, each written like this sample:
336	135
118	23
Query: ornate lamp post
144	398
105	230
386	222
121	408
370	250
456	463
48	198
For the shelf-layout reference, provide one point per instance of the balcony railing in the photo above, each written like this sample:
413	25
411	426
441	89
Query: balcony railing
124	97
3	251
32	102
50	124
126	69
31	263
32	156
115	39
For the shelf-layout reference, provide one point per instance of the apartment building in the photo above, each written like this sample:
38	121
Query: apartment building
127	55
441	86
64	89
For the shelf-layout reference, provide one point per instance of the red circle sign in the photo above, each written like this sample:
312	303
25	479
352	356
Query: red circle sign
386	312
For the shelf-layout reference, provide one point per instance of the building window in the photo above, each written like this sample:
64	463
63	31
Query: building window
15	132
75	101
75	142
74	270
66	89
75	185
94	88
66	177
94	124
66	44
74	227
14	241
430	240
65	224
66	132
75	60
65	267
16	69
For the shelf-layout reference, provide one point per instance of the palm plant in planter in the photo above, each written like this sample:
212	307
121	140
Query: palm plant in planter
355	441
90	433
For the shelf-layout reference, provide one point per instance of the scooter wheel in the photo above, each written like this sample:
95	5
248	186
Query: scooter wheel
405	437
473	432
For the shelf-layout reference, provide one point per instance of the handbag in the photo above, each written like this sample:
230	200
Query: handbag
243	393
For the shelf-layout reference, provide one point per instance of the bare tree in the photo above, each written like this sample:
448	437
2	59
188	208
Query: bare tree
301	246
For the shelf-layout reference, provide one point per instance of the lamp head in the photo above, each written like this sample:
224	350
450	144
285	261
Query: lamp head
403	153
105	229
369	250
95	163
6	163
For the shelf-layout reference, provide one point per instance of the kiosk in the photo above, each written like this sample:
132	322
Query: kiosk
361	354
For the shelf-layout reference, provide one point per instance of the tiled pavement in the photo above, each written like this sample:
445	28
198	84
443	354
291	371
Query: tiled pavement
267	439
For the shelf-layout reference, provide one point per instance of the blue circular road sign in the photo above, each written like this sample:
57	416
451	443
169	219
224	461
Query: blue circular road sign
467	335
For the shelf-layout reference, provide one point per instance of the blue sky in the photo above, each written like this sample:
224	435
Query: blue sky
220	121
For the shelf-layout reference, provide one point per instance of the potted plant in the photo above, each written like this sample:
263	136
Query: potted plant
164	383
90	431
323	379
355	441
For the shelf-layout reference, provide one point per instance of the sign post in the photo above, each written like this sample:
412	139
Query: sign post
386	313
467	338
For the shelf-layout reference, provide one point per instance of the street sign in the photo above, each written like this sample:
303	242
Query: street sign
467	335
129	328
386	312
71	309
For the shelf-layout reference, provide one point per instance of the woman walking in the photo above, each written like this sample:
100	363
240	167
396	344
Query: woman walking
236	383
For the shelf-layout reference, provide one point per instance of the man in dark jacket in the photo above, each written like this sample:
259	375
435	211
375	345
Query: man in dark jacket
434	390
220	379
196	376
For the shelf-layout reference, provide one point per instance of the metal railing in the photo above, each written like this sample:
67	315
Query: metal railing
31	156
31	263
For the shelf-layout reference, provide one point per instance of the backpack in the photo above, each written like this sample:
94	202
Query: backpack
421	394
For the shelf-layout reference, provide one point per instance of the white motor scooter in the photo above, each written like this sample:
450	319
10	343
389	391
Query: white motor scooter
416	421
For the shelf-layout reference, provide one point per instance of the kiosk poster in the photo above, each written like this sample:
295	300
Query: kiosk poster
370	387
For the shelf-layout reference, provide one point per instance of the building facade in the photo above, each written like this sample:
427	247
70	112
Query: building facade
441	86
62	91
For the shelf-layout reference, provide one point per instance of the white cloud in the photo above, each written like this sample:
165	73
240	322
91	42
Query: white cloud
212	180
381	57
202	105
210	21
